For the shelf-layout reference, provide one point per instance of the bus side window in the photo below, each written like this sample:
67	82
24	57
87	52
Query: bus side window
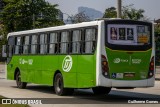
89	42
64	45
34	44
53	43
43	43
76	41
26	45
11	43
18	46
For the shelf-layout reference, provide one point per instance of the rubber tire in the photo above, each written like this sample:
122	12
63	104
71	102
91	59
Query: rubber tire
21	85
101	90
59	86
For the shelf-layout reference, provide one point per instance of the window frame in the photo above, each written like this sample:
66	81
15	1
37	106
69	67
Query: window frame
39	43
96	37
37	51
20	46
68	43
24	36
81	41
13	46
57	51
70	31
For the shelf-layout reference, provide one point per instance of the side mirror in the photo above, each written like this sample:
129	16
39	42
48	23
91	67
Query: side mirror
4	51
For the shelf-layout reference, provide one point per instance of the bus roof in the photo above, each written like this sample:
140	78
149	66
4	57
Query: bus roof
68	26
63	27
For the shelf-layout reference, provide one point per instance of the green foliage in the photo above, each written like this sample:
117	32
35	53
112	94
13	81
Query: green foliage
157	29
157	41
2	41
128	12
157	50
20	15
110	13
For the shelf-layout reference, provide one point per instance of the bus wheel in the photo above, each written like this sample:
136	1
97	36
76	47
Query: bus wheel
101	90
59	86
20	84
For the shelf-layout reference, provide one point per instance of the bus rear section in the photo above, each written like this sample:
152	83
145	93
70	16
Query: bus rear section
127	58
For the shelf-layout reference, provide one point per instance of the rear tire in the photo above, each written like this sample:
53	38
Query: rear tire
101	90
59	86
20	84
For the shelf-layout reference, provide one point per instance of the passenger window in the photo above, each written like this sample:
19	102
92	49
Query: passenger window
11	43
34	44
18	46
43	43
64	45
53	46
76	41
89	42
26	45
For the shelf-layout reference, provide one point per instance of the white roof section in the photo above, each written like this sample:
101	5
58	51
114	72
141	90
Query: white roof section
69	26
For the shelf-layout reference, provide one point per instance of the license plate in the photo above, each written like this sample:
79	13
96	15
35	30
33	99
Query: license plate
129	74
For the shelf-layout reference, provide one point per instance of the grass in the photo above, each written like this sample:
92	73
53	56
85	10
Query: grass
11	105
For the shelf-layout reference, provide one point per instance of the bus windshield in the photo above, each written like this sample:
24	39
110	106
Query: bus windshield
128	34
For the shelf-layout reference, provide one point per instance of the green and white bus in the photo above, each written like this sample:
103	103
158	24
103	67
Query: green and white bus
99	54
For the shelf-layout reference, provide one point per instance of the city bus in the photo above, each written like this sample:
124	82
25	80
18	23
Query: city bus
101	54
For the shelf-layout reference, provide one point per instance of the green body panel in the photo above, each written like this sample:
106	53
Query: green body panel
43	68
136	63
86	71
35	70
49	67
83	71
69	77
10	71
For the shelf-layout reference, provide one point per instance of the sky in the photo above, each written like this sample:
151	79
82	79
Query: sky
151	7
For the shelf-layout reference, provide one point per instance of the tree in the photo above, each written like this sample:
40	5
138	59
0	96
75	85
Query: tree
78	18
20	15
128	12
157	29
157	40
1	4
110	13
2	41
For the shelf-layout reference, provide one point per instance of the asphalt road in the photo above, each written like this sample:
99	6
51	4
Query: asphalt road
116	98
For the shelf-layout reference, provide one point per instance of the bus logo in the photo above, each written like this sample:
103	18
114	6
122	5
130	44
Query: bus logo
67	63
117	60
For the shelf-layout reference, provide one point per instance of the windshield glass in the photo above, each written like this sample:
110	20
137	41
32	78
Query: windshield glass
120	34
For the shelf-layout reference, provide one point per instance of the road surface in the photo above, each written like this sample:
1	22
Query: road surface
115	98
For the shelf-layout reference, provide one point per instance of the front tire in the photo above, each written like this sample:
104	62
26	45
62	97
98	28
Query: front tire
101	90
59	86
19	83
